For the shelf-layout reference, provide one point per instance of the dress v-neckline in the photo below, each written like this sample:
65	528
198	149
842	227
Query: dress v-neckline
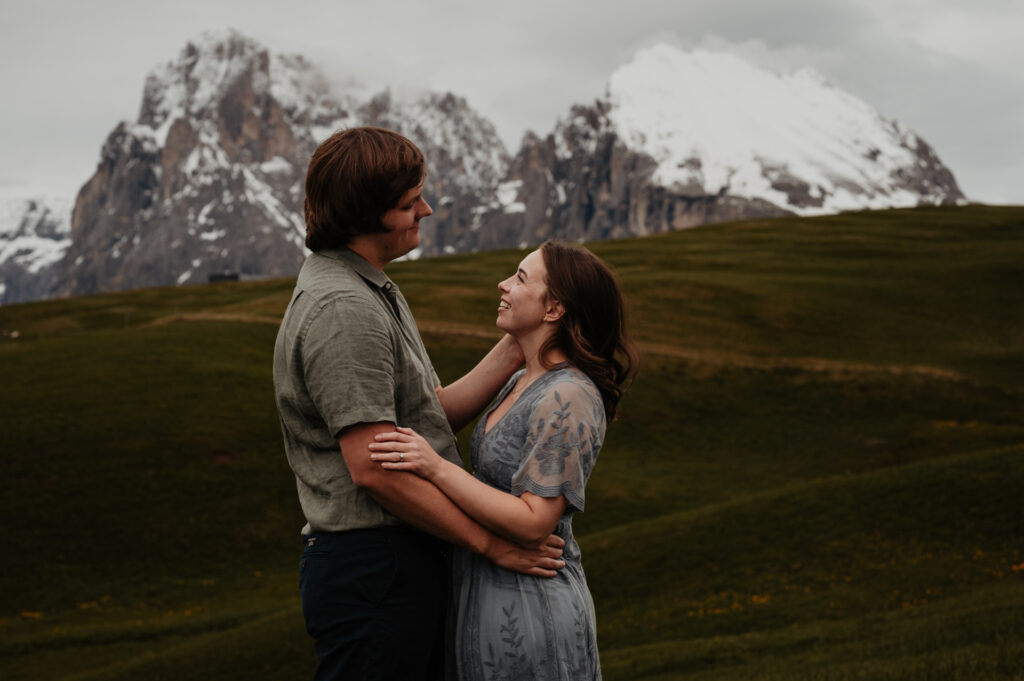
508	389
504	396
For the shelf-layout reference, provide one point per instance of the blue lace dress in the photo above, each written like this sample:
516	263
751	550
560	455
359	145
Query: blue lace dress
513	626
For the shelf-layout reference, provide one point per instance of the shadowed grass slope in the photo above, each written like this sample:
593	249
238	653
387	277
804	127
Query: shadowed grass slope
816	474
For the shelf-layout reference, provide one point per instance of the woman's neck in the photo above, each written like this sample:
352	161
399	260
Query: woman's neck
535	364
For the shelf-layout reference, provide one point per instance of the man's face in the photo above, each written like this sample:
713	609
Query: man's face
403	223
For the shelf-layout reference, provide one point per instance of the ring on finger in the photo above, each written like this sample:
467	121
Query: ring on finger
401	456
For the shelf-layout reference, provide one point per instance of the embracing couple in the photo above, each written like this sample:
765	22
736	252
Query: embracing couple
410	564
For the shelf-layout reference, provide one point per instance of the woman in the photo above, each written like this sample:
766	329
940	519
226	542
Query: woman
532	453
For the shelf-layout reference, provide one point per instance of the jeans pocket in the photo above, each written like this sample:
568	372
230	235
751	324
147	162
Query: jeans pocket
375	569
348	574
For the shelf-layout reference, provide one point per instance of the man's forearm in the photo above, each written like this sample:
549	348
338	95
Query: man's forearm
422	505
407	496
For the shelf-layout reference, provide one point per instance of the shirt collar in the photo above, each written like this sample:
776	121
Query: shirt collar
361	266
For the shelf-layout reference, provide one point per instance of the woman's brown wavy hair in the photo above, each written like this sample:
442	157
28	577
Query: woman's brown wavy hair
592	331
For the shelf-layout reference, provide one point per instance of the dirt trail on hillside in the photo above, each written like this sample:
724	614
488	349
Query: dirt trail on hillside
708	359
832	367
716	359
244	317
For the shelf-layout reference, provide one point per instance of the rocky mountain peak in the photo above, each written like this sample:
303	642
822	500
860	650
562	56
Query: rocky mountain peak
35	233
687	138
210	177
715	124
203	75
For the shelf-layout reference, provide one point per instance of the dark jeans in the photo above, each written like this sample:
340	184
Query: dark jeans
374	603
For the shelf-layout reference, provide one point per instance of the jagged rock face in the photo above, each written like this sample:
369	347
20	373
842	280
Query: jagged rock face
582	183
211	175
724	141
34	235
209	178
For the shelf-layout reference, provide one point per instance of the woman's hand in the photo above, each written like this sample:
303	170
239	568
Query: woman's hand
405	450
512	351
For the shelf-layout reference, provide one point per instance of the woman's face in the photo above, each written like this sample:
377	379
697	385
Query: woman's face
524	299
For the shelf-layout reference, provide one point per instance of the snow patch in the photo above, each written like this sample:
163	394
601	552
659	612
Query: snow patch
35	231
718	125
213	235
276	165
507	193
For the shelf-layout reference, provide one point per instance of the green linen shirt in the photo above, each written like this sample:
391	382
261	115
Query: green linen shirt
348	352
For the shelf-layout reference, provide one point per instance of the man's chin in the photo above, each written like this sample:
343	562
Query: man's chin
409	247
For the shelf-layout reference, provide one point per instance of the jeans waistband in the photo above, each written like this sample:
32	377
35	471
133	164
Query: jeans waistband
319	538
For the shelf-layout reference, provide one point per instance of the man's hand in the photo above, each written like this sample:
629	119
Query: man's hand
544	561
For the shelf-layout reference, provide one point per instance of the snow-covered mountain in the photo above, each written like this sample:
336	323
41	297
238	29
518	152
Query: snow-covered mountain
35	233
688	138
210	176
715	124
207	178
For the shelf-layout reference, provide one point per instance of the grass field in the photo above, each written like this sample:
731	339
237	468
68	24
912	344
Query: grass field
816	475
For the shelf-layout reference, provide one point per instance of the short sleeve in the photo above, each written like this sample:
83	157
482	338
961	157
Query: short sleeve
567	426
349	364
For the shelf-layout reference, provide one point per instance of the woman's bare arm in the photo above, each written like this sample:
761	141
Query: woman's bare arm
527	520
464	399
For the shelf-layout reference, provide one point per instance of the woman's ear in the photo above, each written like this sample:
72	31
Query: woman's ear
554	311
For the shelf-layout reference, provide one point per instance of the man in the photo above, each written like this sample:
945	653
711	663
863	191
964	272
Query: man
348	364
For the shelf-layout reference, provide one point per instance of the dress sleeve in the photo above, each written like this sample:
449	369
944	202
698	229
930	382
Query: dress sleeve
566	429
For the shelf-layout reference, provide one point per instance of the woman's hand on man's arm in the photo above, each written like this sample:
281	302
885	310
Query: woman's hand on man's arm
422	505
527	520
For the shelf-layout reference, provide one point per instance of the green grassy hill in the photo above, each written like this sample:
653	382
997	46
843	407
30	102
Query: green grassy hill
817	474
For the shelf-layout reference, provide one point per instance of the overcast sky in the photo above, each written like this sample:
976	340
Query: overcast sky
950	70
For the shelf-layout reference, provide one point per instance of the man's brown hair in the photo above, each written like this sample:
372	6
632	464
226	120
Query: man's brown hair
354	178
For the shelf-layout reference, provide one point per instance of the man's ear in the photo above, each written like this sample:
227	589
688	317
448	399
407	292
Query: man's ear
554	311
